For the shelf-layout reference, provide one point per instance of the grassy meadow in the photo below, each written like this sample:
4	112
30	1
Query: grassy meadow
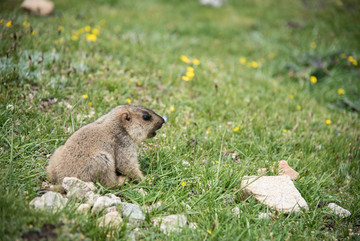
243	87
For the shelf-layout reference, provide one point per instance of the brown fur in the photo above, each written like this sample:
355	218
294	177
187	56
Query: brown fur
97	151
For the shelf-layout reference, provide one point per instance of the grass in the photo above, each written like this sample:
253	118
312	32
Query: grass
279	113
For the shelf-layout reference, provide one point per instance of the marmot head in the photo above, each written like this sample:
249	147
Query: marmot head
139	122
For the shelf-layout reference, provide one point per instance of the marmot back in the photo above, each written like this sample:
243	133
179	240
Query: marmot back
105	147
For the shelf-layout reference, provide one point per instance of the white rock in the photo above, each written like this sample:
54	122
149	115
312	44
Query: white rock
236	211
112	219
172	223
264	215
336	209
103	202
90	198
50	201
193	225
132	211
40	7
76	188
277	192
84	208
213	3
141	191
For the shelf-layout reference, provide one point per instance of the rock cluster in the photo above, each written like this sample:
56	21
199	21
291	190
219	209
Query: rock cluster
38	7
112	208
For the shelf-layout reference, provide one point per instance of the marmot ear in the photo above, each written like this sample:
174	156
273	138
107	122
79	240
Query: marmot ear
125	117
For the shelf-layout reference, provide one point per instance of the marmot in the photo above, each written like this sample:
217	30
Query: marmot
100	150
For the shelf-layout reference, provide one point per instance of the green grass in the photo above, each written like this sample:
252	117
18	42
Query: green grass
282	115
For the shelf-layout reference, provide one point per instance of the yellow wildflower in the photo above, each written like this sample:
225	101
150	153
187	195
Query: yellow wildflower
291	96
298	107
200	183
190	75
172	108
95	31
208	131
85	96
185	78
187	123
196	62
313	45
1	21
26	24
184	59
91	37
138	83
209	231
183	184
9	24
87	28
271	55
355	63
217	162
60	29
128	100
254	64
236	129
313	79
352	60
328	122
190	69
90	103
341	91
284	130
74	37
242	60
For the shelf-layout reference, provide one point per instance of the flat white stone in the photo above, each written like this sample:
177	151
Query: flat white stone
50	201
171	223
277	192
40	7
75	188
112	219
336	209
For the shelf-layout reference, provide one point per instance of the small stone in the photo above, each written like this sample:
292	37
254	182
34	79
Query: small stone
171	223
90	198
39	7
113	219
277	192
262	171
141	191
83	208
133	234
75	188
336	209
193	225
285	169
236	211
105	201
50	201
132	211
213	3
264	215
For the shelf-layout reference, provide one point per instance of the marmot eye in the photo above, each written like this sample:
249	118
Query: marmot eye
146	117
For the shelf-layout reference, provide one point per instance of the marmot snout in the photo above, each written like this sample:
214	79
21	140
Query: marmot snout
105	147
